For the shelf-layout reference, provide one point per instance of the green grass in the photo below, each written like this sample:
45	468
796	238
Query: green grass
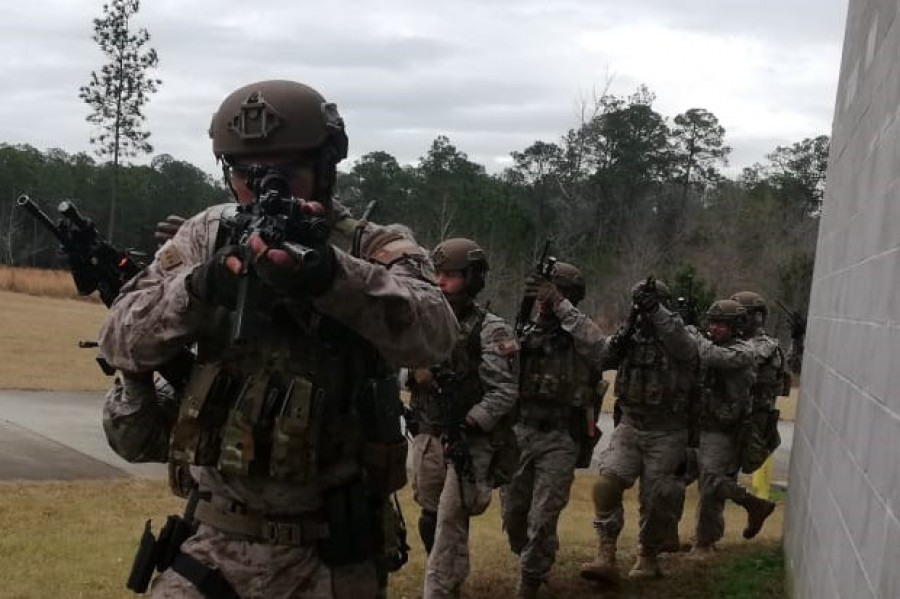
759	574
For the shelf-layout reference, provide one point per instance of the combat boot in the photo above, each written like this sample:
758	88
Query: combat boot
527	588
702	551
646	565
603	568
757	512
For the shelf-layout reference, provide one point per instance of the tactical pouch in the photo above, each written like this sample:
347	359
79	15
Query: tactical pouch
757	439
350	526
785	383
387	466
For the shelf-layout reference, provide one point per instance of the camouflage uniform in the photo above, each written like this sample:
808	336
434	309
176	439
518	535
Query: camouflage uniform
486	365
656	373
556	432
386	299
728	373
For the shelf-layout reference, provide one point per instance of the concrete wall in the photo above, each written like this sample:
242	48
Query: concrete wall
843	527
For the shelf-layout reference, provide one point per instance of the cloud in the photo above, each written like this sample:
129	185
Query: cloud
493	75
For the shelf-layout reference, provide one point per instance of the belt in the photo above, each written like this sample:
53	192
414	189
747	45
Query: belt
431	429
297	530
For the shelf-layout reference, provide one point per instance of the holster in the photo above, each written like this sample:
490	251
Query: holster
350	524
157	553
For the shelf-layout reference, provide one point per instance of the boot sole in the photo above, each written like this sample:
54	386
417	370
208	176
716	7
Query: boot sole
749	534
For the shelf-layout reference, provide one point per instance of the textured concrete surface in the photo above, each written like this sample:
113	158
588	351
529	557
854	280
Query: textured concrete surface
50	435
843	518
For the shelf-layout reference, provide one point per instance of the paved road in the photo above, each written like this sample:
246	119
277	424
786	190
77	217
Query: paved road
59	435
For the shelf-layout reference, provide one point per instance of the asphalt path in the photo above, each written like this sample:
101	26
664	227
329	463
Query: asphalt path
59	436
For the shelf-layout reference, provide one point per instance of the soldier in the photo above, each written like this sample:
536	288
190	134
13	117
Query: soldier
291	434
727	367
463	411
556	427
656	368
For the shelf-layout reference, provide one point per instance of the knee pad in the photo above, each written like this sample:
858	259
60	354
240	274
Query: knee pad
427	528
608	492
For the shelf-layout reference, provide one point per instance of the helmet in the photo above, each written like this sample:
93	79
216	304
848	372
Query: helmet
569	281
727	310
281	116
752	302
464	255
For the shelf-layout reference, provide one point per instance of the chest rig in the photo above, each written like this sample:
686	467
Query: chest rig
464	362
553	373
646	381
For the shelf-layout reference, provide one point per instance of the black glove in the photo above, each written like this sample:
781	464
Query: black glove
645	299
212	283
303	278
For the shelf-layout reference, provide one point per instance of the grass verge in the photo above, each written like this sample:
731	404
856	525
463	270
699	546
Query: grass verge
76	540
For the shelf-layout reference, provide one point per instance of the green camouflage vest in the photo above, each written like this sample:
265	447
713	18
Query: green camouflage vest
302	397
646	381
552	372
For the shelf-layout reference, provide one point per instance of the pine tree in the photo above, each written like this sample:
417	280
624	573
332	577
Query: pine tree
119	91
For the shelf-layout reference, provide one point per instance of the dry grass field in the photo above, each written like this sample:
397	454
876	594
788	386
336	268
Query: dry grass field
76	540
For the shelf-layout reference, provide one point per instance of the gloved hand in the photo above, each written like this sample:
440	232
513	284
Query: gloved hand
213	282
532	285
165	230
542	290
645	299
284	273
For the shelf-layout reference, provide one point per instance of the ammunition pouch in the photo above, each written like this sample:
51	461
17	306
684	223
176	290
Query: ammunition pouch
758	437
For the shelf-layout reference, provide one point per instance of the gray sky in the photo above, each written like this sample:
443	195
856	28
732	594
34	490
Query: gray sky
492	75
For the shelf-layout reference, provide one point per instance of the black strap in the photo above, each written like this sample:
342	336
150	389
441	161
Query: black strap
209	581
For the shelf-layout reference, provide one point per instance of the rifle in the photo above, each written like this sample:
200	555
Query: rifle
453	439
279	220
98	266
95	264
796	320
543	268
686	305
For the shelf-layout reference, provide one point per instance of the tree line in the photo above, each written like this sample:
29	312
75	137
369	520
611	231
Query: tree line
626	193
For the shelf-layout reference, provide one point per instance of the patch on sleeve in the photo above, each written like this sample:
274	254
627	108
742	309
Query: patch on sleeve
169	257
504	343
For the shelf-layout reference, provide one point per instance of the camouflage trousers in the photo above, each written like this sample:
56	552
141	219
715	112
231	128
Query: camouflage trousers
654	457
448	562
429	470
718	462
539	491
266	571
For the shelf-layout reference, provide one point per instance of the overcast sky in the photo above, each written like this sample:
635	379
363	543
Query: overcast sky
492	75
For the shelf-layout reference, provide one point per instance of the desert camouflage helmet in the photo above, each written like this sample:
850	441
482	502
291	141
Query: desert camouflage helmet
751	301
569	281
463	255
727	310
458	253
277	116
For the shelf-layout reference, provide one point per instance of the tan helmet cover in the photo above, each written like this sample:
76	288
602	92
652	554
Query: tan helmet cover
276	116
